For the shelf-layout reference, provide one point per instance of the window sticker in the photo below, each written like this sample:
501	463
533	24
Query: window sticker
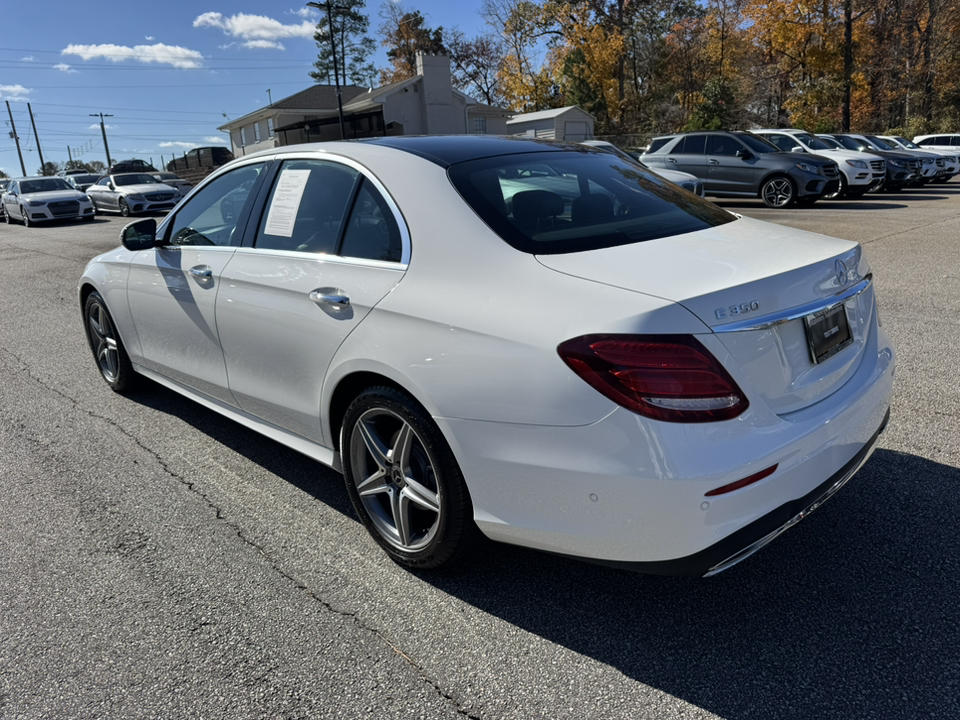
286	202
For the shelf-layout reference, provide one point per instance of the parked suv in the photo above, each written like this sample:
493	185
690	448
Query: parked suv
941	141
903	168
932	166
740	164
858	171
951	162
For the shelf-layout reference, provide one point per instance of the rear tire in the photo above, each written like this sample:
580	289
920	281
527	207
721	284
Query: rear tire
404	481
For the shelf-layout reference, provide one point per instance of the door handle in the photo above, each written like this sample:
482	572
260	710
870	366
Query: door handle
673	160
330	296
714	162
201	272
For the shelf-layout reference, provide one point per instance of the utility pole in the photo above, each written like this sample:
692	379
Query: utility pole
269	97
103	131
16	139
34	126
333	47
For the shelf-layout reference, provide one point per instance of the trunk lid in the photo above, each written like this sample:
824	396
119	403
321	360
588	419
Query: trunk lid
757	286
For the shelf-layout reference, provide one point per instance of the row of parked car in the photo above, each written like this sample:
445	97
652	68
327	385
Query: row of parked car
789	166
81	195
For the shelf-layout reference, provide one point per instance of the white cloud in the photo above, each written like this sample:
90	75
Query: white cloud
264	44
178	57
63	67
96	126
149	38
257	31
28	58
215	140
180	145
307	13
14	92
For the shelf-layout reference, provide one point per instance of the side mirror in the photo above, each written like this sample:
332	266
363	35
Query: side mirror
797	148
139	235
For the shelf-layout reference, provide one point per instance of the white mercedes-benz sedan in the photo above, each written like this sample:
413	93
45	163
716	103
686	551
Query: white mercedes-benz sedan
535	342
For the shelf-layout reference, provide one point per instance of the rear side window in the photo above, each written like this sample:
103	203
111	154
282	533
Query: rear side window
691	145
657	144
563	202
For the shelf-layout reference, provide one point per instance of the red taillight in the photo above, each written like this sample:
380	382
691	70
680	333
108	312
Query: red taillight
665	377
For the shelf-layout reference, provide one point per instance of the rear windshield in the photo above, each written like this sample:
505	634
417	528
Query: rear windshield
564	202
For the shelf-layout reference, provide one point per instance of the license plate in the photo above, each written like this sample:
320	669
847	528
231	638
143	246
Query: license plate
828	332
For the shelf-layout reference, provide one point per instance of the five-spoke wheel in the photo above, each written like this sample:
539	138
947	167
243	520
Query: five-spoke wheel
106	345
403	480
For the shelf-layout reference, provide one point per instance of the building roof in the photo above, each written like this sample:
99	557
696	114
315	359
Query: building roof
547	114
314	98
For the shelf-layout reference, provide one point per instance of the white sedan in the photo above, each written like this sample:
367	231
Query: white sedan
132	193
39	199
606	367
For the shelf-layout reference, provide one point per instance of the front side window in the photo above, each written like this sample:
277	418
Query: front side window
549	203
723	145
210	217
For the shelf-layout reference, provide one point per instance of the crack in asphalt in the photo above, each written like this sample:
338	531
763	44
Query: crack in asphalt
218	513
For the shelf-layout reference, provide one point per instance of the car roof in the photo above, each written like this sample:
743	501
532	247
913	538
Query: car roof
443	150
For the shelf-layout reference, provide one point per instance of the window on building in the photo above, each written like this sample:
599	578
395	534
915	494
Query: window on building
256	132
479	126
270	127
244	136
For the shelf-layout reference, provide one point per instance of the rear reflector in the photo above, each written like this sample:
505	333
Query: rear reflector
666	377
742	483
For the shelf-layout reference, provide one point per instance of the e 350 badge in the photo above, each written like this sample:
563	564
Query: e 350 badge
735	310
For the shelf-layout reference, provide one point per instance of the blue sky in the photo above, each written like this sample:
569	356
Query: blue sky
169	72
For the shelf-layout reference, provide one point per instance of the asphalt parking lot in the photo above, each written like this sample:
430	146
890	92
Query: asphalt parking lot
158	561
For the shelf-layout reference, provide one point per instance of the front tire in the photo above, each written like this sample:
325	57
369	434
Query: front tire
124	208
404	481
107	347
778	192
26	217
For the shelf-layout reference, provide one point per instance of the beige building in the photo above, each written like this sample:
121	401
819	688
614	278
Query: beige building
425	104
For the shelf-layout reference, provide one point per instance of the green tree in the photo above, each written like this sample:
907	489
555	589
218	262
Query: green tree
96	166
405	33
718	110
49	168
354	46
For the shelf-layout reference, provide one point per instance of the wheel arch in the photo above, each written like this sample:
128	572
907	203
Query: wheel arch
770	176
348	388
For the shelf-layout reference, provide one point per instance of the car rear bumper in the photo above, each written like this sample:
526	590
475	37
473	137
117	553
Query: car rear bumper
630	492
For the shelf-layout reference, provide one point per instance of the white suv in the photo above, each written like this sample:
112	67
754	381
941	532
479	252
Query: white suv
858	171
951	163
940	141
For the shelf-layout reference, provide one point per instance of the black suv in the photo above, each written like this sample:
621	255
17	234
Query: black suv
740	164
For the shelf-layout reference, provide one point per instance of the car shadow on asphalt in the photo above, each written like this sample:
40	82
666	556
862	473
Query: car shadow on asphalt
850	614
310	476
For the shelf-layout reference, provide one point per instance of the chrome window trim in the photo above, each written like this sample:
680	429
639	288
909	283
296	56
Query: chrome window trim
784	316
374	180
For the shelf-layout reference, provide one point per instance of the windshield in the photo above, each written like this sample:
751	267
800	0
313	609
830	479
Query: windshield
882	143
563	202
813	143
44	185
134	179
830	143
908	144
757	144
84	178
853	144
